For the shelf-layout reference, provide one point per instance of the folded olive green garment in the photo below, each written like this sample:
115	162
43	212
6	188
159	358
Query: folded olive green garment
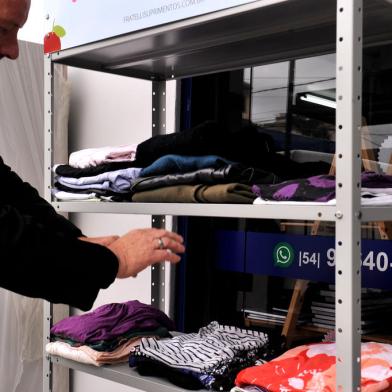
222	193
225	193
168	194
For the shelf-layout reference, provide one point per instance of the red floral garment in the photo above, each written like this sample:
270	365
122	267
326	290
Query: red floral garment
312	368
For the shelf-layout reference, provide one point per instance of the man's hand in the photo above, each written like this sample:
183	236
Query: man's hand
141	248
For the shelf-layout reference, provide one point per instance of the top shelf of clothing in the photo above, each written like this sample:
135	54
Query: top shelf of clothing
260	32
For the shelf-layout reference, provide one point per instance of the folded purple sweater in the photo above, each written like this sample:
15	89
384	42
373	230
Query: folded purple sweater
111	321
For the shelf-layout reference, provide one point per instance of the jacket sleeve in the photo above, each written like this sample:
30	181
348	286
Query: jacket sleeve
40	255
26	199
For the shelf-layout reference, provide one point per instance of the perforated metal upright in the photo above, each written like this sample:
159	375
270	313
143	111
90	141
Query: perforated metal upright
48	163
348	183
158	221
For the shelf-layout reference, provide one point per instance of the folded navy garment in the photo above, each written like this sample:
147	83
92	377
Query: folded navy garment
189	379
149	368
173	163
210	176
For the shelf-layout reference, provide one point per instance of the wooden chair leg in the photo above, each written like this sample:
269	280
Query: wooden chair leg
294	310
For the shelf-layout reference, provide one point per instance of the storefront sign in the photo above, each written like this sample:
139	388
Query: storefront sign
71	23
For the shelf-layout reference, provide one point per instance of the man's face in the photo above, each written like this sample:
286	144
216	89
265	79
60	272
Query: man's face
13	15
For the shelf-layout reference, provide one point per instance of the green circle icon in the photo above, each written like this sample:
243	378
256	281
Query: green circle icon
283	255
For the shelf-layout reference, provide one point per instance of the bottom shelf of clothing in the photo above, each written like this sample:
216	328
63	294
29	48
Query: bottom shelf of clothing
121	374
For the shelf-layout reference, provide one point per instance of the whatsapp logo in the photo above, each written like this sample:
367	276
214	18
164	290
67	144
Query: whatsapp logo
283	255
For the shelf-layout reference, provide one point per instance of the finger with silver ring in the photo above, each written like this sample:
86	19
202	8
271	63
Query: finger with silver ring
161	245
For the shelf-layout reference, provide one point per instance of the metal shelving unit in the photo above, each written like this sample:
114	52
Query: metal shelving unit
259	32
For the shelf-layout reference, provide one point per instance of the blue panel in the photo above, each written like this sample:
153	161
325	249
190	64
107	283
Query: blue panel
283	255
186	103
182	229
312	258
230	250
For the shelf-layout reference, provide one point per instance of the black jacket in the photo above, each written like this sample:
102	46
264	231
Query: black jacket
40	255
227	174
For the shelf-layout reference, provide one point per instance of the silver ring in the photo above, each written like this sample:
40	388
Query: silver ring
161	245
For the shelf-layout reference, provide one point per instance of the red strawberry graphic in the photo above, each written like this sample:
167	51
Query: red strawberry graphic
52	41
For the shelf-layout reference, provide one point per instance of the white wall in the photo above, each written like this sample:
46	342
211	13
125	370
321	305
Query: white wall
110	110
33	30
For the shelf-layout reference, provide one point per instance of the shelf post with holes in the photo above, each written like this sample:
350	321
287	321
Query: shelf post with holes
48	163
158	221
348	182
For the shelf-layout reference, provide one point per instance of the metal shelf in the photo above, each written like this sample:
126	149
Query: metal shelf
122	374
278	210
260	32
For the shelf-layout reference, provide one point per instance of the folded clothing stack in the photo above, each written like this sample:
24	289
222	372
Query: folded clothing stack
208	359
204	164
248	145
207	164
313	368
197	179
107	334
96	174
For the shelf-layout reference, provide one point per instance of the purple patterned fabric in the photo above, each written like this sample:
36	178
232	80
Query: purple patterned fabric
110	321
286	193
318	188
322	181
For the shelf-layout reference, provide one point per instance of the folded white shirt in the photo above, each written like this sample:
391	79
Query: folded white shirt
69	196
95	156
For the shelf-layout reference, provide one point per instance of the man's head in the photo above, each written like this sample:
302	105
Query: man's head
13	15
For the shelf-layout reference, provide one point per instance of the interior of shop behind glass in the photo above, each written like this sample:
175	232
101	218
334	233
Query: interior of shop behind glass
293	102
